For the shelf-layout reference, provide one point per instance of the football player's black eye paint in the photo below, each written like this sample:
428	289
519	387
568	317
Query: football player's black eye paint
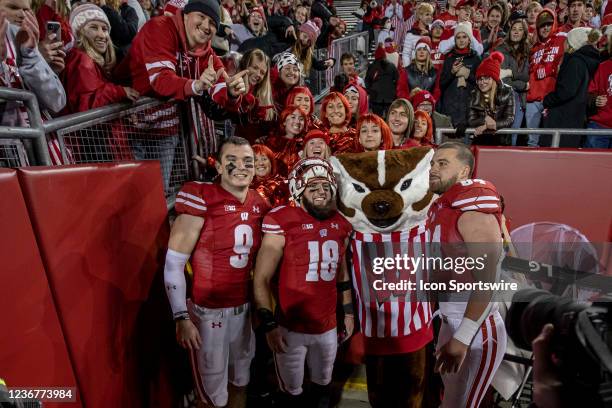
358	188
230	167
406	184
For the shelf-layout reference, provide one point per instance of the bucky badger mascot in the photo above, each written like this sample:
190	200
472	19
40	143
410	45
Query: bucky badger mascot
385	195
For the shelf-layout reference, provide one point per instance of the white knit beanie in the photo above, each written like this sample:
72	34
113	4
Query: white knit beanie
85	13
578	37
466	28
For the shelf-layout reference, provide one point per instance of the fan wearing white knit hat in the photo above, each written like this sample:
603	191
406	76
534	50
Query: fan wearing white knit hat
566	105
86	77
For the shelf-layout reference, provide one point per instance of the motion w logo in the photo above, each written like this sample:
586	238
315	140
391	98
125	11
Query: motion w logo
215	324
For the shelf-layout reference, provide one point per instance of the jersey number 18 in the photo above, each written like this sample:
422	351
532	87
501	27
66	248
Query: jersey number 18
323	261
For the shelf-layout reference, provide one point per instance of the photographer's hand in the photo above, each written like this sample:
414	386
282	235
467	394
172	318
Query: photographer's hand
546	383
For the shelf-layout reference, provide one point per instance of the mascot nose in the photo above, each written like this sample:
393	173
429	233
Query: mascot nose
381	207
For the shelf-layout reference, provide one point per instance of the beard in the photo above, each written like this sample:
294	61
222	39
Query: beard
320	213
443	186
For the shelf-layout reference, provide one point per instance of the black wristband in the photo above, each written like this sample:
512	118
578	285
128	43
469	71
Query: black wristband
343	286
184	315
348	308
266	318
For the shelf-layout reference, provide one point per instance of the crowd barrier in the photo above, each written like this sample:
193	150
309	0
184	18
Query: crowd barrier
556	133
321	81
82	301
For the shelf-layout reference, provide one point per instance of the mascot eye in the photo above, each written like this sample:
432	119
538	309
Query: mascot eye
358	188
406	184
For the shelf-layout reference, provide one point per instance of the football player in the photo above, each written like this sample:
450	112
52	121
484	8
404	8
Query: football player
306	245
219	229
472	339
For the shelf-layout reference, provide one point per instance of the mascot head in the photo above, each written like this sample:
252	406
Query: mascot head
384	191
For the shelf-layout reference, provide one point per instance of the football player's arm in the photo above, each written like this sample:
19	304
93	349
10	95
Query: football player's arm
482	234
344	286
268	258
183	238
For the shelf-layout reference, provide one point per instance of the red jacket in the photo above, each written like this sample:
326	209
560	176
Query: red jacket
567	27
160	62
544	62
45	14
602	85
87	86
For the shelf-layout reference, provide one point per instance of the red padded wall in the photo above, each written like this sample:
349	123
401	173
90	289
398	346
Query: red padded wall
32	348
101	230
568	186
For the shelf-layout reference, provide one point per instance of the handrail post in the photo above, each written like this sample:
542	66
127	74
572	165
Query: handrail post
556	139
41	149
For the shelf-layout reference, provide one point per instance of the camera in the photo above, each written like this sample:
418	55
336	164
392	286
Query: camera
581	341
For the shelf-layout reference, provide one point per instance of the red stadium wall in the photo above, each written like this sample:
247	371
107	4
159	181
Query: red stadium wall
82	298
32	348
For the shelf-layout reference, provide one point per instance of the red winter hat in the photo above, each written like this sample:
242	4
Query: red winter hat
261	12
464	3
490	66
423	42
311	29
316	134
420	97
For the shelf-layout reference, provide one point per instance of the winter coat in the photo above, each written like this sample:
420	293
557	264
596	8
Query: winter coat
124	26
454	100
418	79
503	112
381	81
544	61
520	74
87	85
567	104
485	31
602	85
27	69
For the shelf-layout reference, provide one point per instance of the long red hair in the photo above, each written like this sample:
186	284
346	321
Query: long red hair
386	141
288	111
298	90
427	139
330	97
265	150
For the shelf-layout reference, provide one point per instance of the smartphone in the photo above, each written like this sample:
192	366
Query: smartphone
54	27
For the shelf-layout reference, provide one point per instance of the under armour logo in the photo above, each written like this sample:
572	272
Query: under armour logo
215	325
256	209
335	226
323	233
171	287
244	216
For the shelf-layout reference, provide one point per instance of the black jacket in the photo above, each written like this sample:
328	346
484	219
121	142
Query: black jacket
454	101
381	81
503	112
124	26
520	74
418	79
567	104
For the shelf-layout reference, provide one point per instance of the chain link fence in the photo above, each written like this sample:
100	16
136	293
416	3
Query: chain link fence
148	132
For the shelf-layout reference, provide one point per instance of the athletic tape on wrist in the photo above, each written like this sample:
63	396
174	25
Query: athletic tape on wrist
466	331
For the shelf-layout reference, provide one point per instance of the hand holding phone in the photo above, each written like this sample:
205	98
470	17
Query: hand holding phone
54	27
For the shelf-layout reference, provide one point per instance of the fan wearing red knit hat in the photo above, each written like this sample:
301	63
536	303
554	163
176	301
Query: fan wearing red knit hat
491	103
421	72
424	101
256	26
316	145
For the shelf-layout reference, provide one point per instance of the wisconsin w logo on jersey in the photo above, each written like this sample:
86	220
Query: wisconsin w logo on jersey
244	216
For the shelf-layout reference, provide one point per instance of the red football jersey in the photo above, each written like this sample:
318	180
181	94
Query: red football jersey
467	195
307	278
223	257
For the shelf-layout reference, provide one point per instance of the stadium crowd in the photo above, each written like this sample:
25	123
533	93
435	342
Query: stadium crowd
463	64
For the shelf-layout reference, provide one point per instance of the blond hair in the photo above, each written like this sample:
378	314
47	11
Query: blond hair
304	55
263	91
107	61
488	99
423	8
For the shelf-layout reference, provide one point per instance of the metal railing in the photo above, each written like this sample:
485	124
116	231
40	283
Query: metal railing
145	130
556	133
357	44
13	150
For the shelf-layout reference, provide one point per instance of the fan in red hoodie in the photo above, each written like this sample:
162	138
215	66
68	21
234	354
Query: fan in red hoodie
574	18
600	89
544	62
